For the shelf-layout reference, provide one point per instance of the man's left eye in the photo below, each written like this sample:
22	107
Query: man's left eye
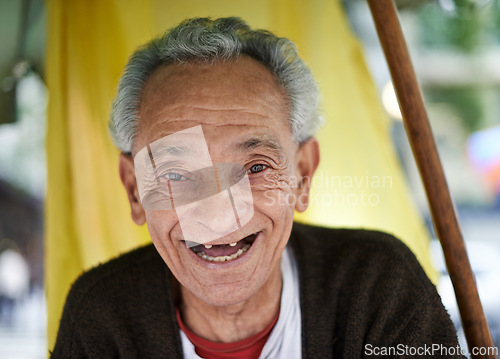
173	176
256	168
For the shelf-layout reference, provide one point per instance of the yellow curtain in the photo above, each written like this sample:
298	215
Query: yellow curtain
360	183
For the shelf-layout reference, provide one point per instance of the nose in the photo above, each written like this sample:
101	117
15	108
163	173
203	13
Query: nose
208	219
218	214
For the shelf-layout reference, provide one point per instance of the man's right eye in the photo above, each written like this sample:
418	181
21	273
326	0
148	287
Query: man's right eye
174	176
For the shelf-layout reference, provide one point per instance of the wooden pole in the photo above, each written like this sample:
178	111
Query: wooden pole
427	158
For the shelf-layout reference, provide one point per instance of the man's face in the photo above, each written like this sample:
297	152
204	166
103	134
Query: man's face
243	114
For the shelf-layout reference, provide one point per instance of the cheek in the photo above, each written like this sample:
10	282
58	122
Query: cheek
274	194
163	229
161	224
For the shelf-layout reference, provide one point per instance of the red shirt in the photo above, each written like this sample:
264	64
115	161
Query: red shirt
249	348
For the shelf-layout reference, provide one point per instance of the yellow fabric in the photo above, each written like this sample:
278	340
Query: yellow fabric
89	41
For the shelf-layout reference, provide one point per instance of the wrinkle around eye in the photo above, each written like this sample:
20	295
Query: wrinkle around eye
270	180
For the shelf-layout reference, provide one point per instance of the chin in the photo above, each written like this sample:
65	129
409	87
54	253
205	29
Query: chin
229	294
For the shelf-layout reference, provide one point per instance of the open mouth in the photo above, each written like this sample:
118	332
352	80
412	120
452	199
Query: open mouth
224	252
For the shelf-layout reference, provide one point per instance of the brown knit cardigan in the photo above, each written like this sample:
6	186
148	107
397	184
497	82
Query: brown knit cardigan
359	290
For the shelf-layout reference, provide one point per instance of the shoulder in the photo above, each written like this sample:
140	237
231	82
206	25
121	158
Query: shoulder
358	259
353	243
111	289
104	301
373	286
117	271
345	235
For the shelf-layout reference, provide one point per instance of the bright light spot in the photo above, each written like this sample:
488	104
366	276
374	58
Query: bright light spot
14	274
447	5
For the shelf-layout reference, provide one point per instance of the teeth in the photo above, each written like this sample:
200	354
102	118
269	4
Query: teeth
208	246
224	258
232	244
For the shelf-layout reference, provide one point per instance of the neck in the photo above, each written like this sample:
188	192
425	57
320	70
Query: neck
235	322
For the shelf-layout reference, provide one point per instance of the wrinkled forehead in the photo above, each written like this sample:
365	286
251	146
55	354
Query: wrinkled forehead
233	93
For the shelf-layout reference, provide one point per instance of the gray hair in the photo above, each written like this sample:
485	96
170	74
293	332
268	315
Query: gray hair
203	39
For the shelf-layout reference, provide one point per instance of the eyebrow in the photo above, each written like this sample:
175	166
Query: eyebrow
265	142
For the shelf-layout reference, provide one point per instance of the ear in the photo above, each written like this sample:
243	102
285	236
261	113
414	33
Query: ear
307	160
127	175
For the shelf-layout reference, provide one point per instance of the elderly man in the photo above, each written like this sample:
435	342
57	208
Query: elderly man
215	122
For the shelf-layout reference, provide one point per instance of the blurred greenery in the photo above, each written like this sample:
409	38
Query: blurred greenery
468	28
465	25
466	101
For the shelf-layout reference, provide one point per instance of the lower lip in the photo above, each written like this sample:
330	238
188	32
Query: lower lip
232	262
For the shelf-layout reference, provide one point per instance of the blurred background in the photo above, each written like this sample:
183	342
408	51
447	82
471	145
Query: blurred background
23	100
455	47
